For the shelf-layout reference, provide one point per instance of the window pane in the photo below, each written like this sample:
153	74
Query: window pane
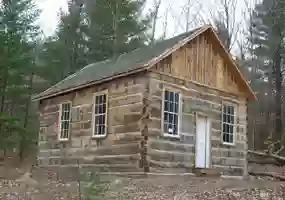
176	107
176	98
67	106
96	129
100	99
100	108
97	120
65	134
100	120
227	128
101	130
171	107
171	118
225	118
175	129
224	137
64	125
62	116
231	119
170	128
64	107
231	129
175	120
231	139
231	110
227	137
104	108
67	115
171	96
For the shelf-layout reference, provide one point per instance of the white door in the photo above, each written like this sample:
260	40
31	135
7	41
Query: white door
202	142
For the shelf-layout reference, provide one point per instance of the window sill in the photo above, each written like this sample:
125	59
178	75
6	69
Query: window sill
98	137
63	140
165	135
228	144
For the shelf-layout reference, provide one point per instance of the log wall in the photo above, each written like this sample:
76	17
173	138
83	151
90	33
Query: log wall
119	151
178	155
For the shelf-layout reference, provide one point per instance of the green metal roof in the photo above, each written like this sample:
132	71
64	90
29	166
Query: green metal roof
119	65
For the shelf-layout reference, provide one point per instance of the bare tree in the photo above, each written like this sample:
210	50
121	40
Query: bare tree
188	15
225	21
165	23
157	4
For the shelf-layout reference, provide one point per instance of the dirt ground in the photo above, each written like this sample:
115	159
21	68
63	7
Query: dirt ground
16	185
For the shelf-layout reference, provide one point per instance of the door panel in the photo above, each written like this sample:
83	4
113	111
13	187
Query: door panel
202	143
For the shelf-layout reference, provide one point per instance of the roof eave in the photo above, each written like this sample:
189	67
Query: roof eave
105	79
251	95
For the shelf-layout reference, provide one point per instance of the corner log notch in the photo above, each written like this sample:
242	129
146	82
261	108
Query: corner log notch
144	125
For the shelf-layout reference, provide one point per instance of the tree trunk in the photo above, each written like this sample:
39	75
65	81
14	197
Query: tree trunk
115	28
278	100
23	138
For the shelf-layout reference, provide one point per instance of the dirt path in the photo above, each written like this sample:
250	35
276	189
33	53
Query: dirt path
150	188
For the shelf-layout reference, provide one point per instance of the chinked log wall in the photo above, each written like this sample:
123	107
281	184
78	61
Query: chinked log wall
119	151
178	155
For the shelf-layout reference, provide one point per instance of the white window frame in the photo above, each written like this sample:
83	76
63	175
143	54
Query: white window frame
226	103
179	113
94	115
60	121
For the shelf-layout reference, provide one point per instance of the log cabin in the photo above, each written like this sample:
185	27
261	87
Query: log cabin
177	106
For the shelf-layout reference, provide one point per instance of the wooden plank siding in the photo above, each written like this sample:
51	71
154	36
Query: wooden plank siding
119	151
201	61
178	155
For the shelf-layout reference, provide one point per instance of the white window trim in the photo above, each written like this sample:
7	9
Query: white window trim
105	92
59	121
227	103
179	113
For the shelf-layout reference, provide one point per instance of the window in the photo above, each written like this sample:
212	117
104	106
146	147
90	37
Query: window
100	115
171	113
65	109
228	123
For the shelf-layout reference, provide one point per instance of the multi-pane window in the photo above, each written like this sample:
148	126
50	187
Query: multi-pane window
228	123
171	113
65	115
100	115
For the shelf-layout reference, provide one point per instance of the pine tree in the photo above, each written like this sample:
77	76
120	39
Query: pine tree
64	53
17	33
268	31
114	27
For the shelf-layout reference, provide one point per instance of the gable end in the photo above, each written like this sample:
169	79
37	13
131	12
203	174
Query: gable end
205	61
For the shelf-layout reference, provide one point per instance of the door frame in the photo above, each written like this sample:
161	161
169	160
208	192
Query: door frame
209	128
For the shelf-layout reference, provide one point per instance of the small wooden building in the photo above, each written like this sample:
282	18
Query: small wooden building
176	106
